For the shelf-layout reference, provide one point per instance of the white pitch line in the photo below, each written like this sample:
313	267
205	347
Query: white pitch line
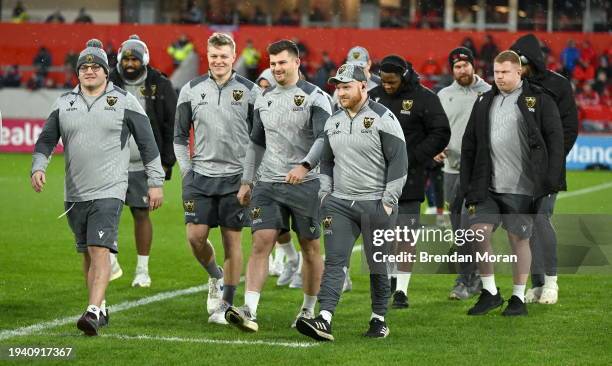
212	341
6	334
35	328
580	192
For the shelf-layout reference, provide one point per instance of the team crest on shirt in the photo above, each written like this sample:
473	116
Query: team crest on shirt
237	94
406	106
472	210
256	215
189	206
298	100
145	93
368	122
110	100
531	102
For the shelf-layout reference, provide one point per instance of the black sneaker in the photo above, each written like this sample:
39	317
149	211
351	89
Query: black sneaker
316	328
378	329
88	323
515	307
400	300
104	318
241	318
486	302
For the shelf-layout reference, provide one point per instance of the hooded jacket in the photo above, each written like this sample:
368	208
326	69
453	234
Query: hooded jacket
424	124
555	85
160	107
545	139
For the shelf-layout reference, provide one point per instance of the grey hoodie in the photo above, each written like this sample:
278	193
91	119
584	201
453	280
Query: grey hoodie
457	102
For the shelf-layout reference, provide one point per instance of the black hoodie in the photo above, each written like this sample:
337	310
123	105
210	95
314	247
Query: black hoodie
425	128
555	85
160	108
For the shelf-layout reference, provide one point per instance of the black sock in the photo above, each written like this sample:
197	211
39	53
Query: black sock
228	294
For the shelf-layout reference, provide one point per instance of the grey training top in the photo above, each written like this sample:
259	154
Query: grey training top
287	131
509	146
457	102
364	157
95	143
222	117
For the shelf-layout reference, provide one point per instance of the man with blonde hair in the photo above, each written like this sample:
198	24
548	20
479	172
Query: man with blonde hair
219	107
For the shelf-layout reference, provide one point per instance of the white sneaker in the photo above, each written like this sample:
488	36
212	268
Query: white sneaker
141	279
218	316
533	295
289	269
275	268
296	281
550	295
304	313
348	284
116	270
215	292
278	263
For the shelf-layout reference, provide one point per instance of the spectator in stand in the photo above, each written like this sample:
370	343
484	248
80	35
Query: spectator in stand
70	61
251	58
468	42
260	17
606	98
111	53
12	77
192	14
587	53
604	64
569	57
180	50
324	72
553	64
588	97
83	17
583	72
42	61
316	15
430	72
601	84
55	17
20	14
488	51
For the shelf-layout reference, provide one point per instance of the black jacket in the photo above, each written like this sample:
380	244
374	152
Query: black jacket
555	85
425	127
545	135
160	107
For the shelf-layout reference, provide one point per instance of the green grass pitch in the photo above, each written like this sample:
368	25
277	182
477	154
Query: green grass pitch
41	280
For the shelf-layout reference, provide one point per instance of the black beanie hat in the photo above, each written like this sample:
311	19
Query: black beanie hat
460	54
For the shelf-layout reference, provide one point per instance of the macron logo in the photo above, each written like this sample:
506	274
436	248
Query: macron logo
100	234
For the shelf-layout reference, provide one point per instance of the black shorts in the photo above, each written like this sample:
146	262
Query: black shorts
137	195
514	211
203	206
95	223
274	204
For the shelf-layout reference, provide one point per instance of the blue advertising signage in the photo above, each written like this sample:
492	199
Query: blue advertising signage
590	150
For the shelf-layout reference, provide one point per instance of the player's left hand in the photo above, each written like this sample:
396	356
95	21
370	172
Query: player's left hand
156	197
296	175
441	156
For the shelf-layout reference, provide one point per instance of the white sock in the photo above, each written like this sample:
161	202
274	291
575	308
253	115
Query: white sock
379	317
94	309
519	291
488	283
326	315
251	300
113	259
550	281
289	250
309	302
143	262
103	307
403	280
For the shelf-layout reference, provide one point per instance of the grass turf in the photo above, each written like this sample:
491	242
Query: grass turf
40	280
